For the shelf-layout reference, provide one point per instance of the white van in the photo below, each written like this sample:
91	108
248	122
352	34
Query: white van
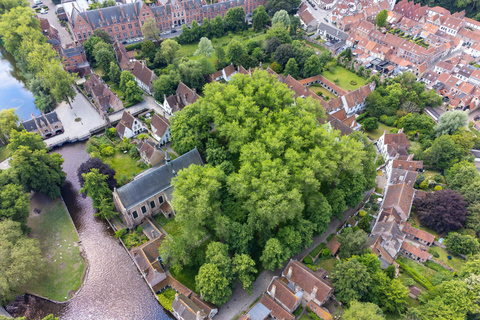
37	2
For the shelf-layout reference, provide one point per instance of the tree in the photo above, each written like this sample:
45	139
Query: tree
102	34
449	122
244	268
294	25
442	211
7	5
274	254
27	139
461	174
104	55
409	107
235	19
220	53
148	50
15	23
350	280
259	18
59	82
363	311
114	73
212	284
292	68
281	17
165	85
133	93
206	28
39	171
8	122
443	153
192	72
462	244
14	204
218	26
271	45
370	124
150	30
280	32
96	187
169	49
235	49
312	66
351	242
96	163
18	254
277	5
195	30
89	45
382	18
125	77
283	53
205	48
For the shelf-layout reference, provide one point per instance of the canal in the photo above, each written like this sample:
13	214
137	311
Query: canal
113	289
12	88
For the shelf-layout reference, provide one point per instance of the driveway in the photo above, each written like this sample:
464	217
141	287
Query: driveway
241	300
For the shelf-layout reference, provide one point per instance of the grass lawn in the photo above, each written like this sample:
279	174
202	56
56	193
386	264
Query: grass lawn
64	268
324	91
186	276
169	225
344	77
327	264
123	164
385	127
116	89
3	153
430	173
374	134
304	317
455	263
98	71
422	270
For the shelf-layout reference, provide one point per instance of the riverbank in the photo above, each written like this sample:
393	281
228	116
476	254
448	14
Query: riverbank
65	267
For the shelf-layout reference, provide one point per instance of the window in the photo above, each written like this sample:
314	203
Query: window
135	214
138	32
144	209
160	199
124	34
84	35
152	204
131	33
116	29
123	27
109	30
136	24
129	26
79	36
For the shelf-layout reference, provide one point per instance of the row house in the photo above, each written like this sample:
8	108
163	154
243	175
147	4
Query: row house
443	67
364	28
104	99
307	20
125	58
224	74
393	145
144	77
474	50
469	37
411	10
150	194
473	24
346	23
149	152
429	78
182	98
451	25
48	30
412	52
129	126
160	129
74	60
46	125
124	21
419	235
414	253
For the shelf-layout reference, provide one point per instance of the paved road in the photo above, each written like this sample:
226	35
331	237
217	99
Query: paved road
320	14
241	300
65	37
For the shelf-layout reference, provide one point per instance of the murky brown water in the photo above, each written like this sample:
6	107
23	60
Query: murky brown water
114	288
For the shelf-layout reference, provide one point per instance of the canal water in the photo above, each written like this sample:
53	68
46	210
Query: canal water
13	92
114	289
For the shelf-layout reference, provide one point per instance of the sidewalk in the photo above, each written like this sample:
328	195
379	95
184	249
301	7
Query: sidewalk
241	300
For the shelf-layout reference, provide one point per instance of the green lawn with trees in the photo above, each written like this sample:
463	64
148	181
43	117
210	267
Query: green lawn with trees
64	266
3	153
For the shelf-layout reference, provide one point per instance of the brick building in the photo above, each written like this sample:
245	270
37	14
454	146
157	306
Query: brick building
125	21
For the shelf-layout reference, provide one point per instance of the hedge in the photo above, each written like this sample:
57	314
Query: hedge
330	237
133	46
317	249
166	298
417	277
308	260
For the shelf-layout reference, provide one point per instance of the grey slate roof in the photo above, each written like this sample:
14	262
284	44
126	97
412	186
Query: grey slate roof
30	125
259	312
157	180
122	13
333	31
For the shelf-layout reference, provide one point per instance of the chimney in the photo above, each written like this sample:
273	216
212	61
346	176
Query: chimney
273	291
290	271
176	296
167	156
314	292
199	317
153	234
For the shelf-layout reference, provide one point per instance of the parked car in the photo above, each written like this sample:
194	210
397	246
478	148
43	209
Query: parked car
174	31
34	6
43	11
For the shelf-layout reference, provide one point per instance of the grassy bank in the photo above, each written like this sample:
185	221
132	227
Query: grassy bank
64	267
344	78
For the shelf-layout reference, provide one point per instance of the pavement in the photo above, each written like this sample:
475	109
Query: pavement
320	14
81	110
241	300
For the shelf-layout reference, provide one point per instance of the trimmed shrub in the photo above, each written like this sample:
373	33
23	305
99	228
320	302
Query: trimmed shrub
330	237
390	121
417	277
308	260
438	188
317	249
362	213
134	46
166	298
326	253
408	282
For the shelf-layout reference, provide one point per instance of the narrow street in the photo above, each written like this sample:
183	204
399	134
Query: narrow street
241	300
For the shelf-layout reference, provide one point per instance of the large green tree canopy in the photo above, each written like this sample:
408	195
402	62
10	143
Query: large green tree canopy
273	170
